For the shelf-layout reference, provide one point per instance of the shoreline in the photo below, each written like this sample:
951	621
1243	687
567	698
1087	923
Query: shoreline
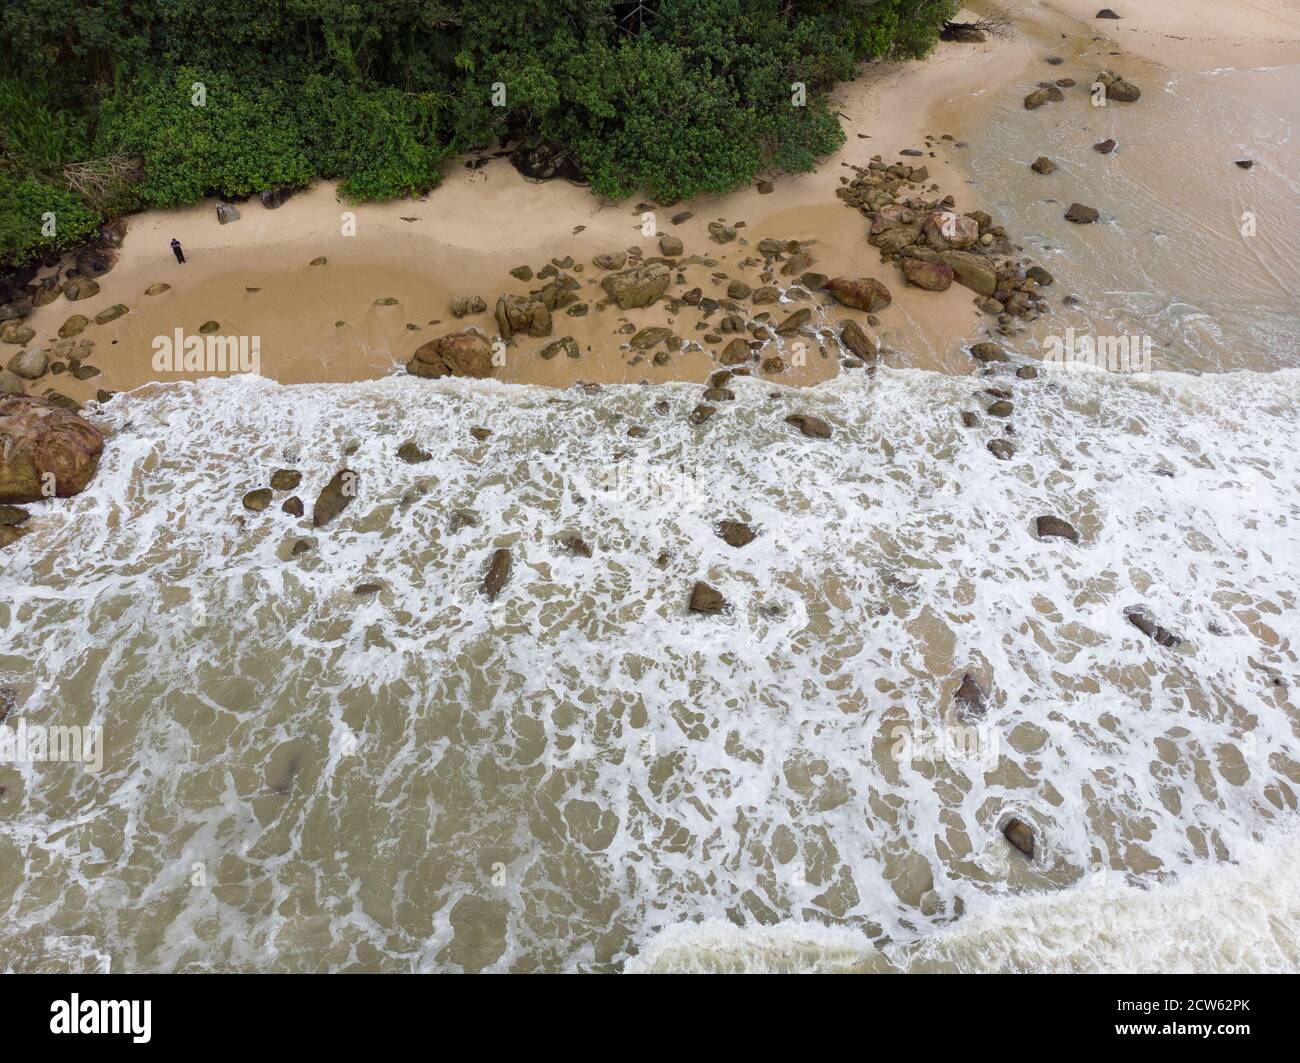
324	325
386	290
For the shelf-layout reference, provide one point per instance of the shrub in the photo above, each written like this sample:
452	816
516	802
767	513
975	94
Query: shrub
29	209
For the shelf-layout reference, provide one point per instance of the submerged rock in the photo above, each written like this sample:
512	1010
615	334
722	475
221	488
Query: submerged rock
1050	527
813	427
1019	834
498	573
335	497
706	599
736	533
258	499
970	697
1140	618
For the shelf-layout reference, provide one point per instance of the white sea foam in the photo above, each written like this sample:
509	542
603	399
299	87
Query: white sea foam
420	779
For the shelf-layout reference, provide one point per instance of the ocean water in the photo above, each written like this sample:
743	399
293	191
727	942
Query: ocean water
585	776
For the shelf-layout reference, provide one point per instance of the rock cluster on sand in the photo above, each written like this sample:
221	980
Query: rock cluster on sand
44	450
1117	88
922	233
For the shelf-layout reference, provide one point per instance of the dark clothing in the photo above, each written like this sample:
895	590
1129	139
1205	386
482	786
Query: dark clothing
176	250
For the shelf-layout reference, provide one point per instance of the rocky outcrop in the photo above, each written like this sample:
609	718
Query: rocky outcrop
944	230
972	271
45	450
467	353
894	228
520	314
639	286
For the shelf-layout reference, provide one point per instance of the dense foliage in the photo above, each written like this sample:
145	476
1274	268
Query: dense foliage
671	96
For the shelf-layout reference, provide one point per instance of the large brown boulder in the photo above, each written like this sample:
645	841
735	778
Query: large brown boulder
932	276
945	229
516	313
44	450
972	271
894	228
639	286
467	353
864	293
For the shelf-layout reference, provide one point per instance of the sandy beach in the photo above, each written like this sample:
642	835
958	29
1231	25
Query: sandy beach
391	270
322	323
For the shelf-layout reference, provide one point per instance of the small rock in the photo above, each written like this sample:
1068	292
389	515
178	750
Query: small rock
498	573
1020	835
1002	449
335	497
258	500
970	697
1141	619
1043	165
988	352
736	533
111	313
1081	214
293	506
285	479
412	454
1104	147
705	599
575	544
812	427
1049	527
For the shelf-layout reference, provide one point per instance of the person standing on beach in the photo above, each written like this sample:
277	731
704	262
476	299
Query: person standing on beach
176	250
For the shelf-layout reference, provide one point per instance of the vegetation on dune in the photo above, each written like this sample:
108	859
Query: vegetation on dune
673	97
